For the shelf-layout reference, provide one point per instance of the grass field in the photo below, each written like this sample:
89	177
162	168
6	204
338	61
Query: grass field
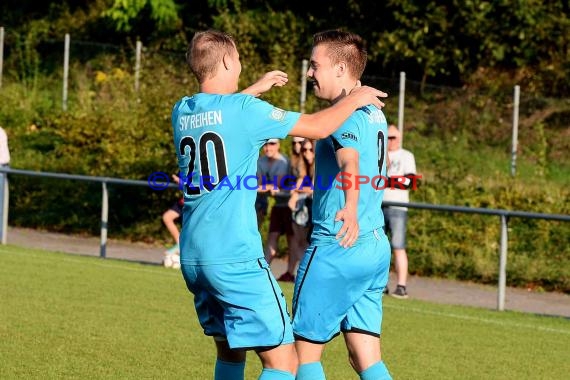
67	316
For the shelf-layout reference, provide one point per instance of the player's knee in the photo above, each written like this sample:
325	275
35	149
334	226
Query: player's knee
360	359
226	354
354	360
283	358
354	363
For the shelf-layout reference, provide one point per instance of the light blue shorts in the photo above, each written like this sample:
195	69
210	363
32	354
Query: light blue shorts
340	289
240	302
396	221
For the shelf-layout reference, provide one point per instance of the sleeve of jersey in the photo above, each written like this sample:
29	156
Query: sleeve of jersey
265	121
348	135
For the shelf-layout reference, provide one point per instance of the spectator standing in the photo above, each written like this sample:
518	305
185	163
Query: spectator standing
4	161
272	169
402	164
300	202
4	151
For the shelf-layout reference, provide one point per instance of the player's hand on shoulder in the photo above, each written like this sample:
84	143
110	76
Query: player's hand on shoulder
365	95
358	84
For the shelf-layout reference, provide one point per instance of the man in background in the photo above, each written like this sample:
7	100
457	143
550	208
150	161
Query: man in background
4	151
5	162
402	164
272	168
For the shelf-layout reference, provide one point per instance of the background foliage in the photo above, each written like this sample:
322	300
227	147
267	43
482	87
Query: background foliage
461	58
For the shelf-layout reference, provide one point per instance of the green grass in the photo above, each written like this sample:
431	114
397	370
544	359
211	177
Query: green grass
67	316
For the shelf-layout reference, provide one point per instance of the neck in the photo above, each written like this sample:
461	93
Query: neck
217	86
345	90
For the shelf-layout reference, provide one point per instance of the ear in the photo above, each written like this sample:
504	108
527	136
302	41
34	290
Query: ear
227	61
341	69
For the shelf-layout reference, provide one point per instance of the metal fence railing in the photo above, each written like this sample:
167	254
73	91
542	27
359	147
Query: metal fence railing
503	214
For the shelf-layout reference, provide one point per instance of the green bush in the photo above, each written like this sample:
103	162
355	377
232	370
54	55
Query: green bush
460	139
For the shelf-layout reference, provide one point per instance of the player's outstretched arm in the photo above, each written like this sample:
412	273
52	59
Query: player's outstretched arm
266	82
321	124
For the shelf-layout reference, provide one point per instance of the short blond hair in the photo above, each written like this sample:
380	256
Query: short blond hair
206	51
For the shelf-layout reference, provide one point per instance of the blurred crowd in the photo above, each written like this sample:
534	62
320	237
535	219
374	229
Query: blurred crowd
287	179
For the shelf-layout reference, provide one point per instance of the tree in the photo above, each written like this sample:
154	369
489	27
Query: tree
125	13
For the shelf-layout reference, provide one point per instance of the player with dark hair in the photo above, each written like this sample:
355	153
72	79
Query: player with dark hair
342	275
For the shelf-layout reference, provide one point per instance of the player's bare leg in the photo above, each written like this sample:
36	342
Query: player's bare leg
365	357
309	360
279	363
230	364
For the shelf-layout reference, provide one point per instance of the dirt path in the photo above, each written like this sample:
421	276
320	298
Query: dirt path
422	288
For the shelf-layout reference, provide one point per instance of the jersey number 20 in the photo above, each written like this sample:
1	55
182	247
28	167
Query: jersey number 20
204	170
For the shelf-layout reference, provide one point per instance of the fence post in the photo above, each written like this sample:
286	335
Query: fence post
104	220
516	102
4	199
503	263
1	53
65	71
402	95
304	68
138	65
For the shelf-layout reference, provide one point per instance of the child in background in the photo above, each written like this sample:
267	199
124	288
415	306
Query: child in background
172	255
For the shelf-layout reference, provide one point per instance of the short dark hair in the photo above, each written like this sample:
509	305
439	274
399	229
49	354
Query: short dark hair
344	46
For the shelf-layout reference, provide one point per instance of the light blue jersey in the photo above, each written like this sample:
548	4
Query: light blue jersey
340	289
217	152
366	131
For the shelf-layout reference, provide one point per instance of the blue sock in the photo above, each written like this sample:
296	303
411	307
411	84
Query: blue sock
377	371
311	371
275	374
227	370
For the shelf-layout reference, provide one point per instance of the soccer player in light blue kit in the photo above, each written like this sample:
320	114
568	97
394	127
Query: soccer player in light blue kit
217	137
345	269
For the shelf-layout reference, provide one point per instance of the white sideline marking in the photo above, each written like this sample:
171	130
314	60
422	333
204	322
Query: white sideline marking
477	319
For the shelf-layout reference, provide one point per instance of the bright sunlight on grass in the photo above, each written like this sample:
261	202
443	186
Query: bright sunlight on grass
67	316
